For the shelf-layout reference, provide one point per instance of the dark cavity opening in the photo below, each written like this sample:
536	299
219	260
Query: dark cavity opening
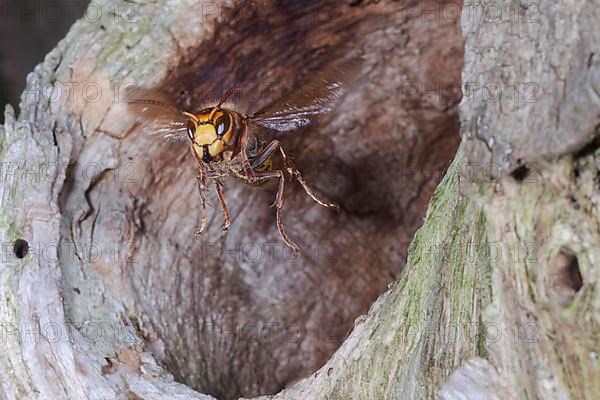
20	248
566	275
521	173
236	314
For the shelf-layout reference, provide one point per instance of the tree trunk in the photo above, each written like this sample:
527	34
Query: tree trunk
106	293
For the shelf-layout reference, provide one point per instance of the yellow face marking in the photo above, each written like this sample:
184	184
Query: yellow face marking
213	132
217	114
215	148
198	150
228	136
205	134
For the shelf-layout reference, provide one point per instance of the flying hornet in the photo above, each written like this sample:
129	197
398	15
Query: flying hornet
223	144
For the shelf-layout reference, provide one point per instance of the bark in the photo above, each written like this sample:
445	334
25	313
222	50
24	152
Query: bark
115	299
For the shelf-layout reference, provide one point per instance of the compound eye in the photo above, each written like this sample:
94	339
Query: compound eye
222	124
191	130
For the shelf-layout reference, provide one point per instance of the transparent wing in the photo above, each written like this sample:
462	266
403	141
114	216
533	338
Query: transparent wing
160	119
173	131
317	96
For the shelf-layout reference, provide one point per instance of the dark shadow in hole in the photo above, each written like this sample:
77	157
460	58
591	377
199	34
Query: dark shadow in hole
521	173
20	248
362	170
589	148
566	275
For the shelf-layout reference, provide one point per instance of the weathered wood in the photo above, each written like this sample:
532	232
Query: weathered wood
206	310
528	60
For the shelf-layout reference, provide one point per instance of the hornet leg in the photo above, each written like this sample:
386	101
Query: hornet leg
201	178
226	215
278	204
291	169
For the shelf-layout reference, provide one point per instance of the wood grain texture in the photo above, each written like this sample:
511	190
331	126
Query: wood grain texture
230	314
529	59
